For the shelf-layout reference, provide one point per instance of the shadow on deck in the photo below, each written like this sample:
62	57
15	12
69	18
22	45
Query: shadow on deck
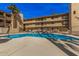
4	40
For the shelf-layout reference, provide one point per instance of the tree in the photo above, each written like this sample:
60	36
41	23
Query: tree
16	15
14	9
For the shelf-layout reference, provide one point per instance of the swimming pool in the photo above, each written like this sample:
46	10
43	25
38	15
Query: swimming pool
43	35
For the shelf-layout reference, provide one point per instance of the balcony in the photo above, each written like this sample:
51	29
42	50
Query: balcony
30	26
45	25
54	20
53	25
8	18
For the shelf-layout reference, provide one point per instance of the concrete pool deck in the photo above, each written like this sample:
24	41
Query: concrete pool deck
30	46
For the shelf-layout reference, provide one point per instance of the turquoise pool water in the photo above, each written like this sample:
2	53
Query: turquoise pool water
43	35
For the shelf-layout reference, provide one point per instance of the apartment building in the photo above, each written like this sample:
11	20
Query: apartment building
54	23
8	24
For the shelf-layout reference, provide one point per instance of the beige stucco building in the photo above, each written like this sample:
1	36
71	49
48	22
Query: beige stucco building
10	25
74	18
53	23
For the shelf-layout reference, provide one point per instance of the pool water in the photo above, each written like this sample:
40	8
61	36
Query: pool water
43	35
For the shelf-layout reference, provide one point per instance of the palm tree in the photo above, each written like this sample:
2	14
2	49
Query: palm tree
15	13
14	9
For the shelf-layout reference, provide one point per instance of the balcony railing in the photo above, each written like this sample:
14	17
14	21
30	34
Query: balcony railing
50	25
7	18
55	20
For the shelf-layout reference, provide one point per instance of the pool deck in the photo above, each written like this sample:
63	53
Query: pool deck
30	46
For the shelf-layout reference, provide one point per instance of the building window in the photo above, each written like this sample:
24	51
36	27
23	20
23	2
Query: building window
74	12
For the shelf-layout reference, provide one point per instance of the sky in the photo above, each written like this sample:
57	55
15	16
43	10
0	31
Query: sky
34	10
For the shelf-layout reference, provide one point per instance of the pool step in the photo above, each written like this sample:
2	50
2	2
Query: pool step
74	50
74	46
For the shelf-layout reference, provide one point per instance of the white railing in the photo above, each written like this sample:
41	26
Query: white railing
55	20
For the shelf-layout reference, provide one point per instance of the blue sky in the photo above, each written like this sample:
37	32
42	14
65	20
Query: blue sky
34	10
